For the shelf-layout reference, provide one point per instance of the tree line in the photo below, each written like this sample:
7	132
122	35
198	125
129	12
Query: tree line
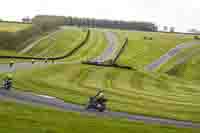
116	24
47	22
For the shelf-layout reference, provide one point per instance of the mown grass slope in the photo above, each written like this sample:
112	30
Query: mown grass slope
129	91
59	43
188	70
94	47
141	52
13	27
18	118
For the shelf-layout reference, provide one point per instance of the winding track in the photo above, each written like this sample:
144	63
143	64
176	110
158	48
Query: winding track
110	50
171	53
39	100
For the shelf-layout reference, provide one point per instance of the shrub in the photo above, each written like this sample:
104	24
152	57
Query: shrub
148	38
196	37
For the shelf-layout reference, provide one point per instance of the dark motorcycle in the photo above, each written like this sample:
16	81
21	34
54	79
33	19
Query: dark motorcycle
7	84
98	104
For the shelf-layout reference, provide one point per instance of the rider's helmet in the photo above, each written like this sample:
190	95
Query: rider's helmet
101	95
12	62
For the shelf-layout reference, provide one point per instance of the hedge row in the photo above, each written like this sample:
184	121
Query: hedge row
107	65
116	24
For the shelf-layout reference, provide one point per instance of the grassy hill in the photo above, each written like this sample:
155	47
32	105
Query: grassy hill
13	27
133	91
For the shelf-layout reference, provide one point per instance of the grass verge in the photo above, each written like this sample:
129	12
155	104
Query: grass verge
19	118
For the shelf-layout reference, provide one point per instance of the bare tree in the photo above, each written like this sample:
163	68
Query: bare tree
165	28
194	31
26	20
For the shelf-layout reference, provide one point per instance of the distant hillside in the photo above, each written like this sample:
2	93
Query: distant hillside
13	26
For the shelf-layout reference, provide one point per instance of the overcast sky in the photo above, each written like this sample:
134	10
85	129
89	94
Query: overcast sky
182	14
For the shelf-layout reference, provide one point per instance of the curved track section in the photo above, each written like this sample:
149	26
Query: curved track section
171	53
110	50
187	57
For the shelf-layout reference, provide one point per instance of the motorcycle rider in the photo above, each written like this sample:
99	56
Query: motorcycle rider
100	98
32	61
97	102
11	63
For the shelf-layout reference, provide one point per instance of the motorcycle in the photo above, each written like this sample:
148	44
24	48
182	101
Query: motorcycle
7	84
95	103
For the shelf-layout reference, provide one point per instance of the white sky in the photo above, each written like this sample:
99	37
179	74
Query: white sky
183	14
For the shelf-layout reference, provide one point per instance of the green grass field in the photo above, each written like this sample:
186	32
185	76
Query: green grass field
140	52
128	91
7	52
18	118
13	27
190	70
